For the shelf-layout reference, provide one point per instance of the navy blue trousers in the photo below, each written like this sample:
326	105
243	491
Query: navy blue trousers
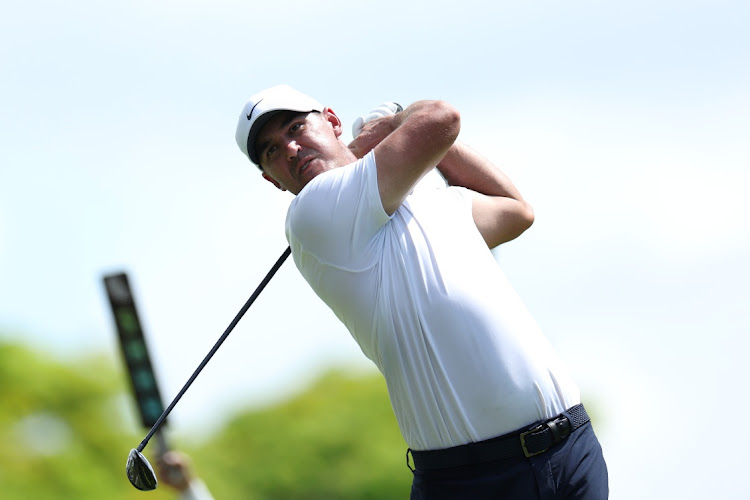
573	469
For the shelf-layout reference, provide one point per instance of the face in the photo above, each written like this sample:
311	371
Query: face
294	147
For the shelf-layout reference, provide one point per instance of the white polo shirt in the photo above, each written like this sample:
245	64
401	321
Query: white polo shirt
425	300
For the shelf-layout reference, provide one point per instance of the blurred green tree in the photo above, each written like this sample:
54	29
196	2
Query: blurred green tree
337	440
66	429
62	428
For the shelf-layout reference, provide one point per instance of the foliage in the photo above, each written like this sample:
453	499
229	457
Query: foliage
337	440
63	434
60	429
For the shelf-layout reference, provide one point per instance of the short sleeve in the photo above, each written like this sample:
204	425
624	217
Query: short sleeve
338	215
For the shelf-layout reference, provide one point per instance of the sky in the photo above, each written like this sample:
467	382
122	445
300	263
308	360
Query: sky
624	124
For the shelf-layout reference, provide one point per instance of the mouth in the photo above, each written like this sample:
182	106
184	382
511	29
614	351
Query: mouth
303	165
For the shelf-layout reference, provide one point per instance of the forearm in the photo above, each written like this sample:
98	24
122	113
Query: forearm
375	131
462	166
426	107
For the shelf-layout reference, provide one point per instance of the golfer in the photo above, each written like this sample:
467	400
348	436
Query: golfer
175	470
484	404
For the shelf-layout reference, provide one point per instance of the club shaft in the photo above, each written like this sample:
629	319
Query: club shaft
216	346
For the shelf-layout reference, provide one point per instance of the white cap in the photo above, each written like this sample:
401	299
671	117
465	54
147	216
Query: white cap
261	107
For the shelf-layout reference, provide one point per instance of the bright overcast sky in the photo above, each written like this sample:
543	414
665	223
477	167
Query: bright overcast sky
625	125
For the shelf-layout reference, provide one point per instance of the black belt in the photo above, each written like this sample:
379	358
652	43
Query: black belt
532	441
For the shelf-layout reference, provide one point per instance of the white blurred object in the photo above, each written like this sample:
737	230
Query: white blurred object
433	179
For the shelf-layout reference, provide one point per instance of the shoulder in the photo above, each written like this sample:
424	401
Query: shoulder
334	187
337	201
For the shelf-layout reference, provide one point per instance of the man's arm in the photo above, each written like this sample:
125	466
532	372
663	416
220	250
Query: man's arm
500	212
175	470
407	145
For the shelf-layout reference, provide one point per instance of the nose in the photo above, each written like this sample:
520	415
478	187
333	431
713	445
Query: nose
292	148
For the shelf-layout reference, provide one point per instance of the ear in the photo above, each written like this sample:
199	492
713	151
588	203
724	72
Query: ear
334	120
273	181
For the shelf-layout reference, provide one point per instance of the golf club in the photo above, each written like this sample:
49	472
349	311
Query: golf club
139	471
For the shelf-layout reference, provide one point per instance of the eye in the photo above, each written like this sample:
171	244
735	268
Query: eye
270	150
296	126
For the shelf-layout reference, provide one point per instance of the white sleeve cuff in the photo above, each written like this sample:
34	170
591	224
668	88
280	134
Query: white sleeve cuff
197	490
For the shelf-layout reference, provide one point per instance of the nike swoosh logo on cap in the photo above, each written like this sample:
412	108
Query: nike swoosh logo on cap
251	111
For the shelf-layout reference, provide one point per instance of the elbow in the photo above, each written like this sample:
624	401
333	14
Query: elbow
527	216
446	120
524	218
510	226
452	121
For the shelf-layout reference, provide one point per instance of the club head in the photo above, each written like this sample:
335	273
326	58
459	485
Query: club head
140	473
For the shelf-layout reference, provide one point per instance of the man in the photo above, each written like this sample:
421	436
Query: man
482	401
175	470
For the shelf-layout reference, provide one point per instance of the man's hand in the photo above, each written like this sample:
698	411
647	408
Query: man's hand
175	470
373	132
389	108
416	141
